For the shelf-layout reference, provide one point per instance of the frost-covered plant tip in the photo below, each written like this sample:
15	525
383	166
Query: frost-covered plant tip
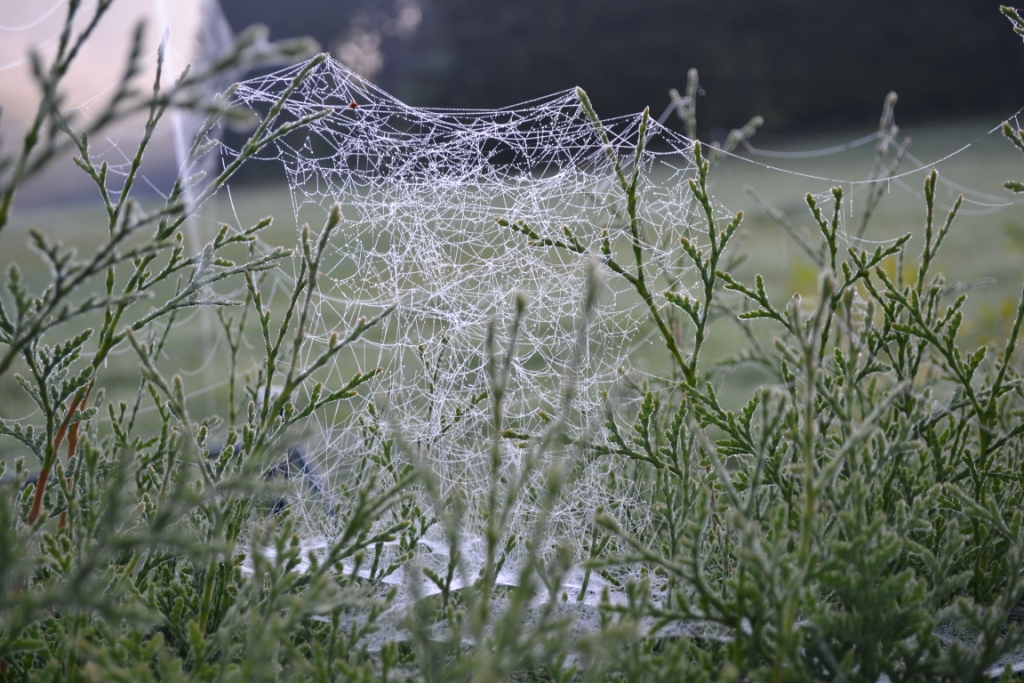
860	516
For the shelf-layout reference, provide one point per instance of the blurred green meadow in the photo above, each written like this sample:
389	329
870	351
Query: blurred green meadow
984	250
985	246
983	253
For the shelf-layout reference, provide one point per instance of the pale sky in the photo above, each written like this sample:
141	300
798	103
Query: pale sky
36	24
28	24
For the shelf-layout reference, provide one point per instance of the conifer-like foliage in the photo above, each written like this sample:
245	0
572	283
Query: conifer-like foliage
860	517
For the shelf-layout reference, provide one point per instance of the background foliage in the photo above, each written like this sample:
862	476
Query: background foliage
798	63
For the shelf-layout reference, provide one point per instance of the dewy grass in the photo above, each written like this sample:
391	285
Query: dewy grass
860	517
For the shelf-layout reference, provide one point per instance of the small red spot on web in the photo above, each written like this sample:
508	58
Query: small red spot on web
353	105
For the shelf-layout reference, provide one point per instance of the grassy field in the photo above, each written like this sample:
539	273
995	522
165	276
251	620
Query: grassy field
984	246
984	250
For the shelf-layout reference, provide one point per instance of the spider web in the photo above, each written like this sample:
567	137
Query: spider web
420	191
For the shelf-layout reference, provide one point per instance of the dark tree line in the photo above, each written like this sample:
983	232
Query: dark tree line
798	63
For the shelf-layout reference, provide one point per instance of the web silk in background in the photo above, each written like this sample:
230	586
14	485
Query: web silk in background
421	191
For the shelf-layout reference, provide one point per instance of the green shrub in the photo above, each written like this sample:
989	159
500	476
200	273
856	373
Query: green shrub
859	517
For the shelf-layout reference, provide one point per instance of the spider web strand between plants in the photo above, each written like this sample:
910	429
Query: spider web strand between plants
421	192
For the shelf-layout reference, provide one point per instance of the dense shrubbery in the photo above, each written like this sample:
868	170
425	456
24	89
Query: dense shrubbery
861	516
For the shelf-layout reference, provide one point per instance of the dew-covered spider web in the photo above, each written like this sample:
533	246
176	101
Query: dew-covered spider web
421	192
